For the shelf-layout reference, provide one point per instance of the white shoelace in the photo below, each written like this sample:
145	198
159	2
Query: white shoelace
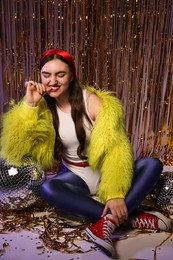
108	229
143	223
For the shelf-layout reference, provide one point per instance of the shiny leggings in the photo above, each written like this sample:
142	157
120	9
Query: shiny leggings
70	193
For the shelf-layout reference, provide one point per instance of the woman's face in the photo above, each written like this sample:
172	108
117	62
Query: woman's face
57	75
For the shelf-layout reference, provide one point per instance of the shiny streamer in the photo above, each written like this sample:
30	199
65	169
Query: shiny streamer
57	232
123	46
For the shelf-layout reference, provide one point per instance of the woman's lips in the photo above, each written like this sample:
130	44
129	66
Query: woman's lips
54	89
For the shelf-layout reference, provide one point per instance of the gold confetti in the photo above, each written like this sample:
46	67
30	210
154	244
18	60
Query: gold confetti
52	223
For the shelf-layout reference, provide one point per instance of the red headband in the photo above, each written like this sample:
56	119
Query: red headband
66	55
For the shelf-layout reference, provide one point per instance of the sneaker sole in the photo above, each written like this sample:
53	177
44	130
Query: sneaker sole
107	248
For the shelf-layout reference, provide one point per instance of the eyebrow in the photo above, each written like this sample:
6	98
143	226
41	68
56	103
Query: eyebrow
48	73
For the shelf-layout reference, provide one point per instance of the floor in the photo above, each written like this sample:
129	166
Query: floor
33	234
25	245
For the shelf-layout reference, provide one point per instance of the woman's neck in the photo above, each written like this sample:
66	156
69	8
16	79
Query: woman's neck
63	103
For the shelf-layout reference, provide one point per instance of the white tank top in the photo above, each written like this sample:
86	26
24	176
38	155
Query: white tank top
70	142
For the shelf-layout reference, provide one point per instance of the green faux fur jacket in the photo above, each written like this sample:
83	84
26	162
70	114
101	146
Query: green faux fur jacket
29	132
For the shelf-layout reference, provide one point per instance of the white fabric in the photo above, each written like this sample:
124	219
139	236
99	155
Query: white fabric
70	142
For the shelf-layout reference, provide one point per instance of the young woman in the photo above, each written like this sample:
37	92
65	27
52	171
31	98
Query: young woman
80	132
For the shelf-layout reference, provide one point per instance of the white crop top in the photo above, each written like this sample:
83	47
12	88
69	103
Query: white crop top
70	142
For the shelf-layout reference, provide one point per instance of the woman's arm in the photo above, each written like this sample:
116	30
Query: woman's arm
111	151
117	206
28	132
94	104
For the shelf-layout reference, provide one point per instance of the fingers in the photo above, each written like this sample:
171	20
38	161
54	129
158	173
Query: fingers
105	211
118	210
39	87
30	83
120	215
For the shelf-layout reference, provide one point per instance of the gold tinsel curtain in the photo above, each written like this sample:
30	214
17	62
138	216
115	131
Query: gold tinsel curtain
125	46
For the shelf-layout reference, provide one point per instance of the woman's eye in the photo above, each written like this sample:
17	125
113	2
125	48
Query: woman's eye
46	75
61	75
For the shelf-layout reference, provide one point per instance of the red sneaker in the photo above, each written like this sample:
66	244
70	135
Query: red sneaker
101	233
149	220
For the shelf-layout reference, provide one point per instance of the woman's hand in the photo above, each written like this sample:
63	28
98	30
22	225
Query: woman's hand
34	92
118	209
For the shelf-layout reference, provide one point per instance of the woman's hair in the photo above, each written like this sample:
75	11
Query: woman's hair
78	111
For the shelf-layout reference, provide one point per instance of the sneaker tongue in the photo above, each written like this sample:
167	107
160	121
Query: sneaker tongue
111	220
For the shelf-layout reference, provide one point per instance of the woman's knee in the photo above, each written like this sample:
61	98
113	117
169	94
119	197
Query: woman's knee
151	163
48	187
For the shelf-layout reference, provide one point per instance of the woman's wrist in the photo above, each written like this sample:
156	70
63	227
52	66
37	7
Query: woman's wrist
30	104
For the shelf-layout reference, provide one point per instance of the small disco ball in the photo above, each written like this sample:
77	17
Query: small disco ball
163	193
19	186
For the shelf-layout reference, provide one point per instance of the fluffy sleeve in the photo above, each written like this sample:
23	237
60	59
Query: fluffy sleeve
28	132
110	149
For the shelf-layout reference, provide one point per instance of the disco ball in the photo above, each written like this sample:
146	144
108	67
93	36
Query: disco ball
163	193
19	186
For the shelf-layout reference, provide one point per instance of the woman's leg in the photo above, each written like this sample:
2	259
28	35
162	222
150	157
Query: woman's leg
147	173
68	192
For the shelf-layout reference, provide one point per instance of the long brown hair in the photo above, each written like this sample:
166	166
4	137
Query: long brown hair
78	112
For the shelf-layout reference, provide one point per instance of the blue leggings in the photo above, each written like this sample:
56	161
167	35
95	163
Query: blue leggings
70	193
